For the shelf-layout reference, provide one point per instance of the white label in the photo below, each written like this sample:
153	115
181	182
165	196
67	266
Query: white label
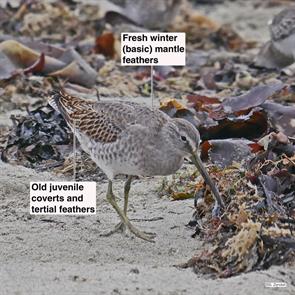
159	49
275	284
67	198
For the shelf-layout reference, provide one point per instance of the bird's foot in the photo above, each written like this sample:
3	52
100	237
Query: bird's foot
119	228
147	236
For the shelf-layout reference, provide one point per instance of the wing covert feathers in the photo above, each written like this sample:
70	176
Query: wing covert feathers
84	118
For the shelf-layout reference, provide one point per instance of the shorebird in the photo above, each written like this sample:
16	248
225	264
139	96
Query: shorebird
127	138
282	30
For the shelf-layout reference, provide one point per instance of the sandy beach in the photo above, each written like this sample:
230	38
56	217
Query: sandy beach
66	255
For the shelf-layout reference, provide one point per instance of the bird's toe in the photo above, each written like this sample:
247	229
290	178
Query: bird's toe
119	228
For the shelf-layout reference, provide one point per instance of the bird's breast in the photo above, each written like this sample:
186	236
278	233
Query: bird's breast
162	163
286	46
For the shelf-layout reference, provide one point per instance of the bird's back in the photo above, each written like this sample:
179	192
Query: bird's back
104	121
283	24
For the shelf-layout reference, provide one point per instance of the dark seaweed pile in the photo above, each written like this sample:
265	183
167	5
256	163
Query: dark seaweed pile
37	140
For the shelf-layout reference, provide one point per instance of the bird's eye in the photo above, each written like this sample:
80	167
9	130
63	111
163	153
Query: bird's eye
183	138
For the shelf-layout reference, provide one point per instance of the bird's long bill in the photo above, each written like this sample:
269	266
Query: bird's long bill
198	162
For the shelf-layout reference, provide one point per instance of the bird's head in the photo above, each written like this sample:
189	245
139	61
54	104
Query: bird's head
185	137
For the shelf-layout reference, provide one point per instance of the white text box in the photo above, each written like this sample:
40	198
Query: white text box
67	198
157	48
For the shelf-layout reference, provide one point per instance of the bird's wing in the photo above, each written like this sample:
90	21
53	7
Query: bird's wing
104	121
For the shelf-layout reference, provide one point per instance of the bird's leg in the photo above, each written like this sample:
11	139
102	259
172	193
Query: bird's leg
126	193
111	199
121	227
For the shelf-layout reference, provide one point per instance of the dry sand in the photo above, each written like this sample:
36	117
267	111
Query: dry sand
66	255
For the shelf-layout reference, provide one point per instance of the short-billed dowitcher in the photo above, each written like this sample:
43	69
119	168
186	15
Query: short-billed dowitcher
128	138
282	29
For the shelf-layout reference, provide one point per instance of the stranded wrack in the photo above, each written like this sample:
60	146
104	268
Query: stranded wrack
257	228
39	140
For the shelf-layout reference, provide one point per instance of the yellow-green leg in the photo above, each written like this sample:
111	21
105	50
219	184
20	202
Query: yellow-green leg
126	193
123	214
121	227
